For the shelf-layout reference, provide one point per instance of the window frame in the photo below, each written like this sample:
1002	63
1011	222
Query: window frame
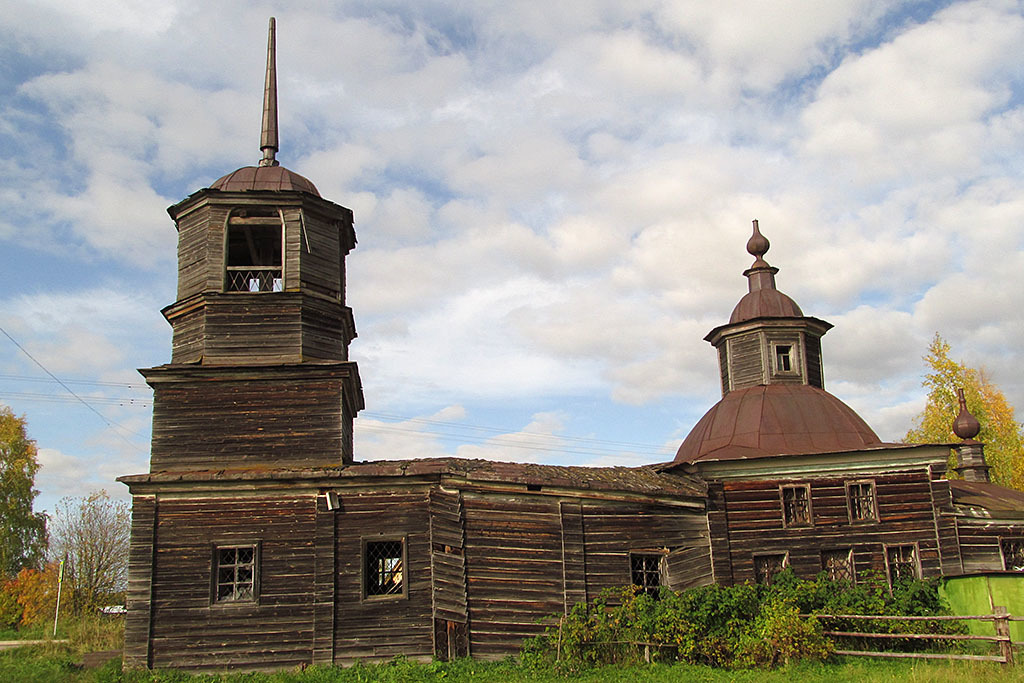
783	565
849	559
1003	541
659	555
238	221
215	566
794	357
782	502
917	559
364	568
874	501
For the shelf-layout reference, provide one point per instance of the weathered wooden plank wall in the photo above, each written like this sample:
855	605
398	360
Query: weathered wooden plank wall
574	556
140	583
325	548
755	523
188	629
980	543
383	627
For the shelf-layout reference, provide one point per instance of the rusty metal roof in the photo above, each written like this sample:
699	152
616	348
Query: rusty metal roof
275	178
776	419
985	495
643	480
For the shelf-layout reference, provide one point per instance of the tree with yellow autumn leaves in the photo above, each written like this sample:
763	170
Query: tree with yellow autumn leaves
1002	435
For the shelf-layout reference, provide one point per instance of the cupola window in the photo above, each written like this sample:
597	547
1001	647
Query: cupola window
783	358
253	252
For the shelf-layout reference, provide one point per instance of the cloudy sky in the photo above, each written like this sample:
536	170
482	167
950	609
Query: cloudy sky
551	199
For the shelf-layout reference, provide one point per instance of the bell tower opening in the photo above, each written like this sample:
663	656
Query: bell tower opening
253	251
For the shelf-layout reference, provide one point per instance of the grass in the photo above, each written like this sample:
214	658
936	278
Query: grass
58	663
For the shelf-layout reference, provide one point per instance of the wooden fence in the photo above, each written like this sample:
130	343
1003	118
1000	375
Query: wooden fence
1000	618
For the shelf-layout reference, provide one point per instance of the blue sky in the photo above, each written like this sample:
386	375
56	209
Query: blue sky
551	202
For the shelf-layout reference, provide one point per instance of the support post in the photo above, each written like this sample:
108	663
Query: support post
1002	624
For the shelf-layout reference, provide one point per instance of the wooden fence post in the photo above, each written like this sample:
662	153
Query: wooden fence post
1002	624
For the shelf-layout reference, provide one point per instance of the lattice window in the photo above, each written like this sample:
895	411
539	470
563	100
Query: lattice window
838	564
235	572
796	505
902	563
384	567
1013	554
768	565
860	500
646	572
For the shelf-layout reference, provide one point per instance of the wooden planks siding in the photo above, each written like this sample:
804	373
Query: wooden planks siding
383	627
980	542
324	549
245	422
746	360
812	352
189	630
755	523
447	558
574	556
689	567
140	583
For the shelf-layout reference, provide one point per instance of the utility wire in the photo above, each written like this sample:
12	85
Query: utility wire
118	429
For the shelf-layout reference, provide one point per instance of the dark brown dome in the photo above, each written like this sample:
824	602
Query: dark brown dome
776	419
765	303
264	178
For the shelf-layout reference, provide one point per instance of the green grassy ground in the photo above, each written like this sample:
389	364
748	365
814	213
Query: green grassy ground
56	663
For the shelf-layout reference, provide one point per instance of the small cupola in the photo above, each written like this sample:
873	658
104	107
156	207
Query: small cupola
768	339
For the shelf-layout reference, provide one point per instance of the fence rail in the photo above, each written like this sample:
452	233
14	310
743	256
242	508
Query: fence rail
1000	619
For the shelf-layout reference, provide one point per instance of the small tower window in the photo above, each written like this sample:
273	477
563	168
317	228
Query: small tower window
783	358
253	253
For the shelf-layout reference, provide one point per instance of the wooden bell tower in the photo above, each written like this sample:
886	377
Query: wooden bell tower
259	372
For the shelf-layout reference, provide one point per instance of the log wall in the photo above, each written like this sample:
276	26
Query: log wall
980	543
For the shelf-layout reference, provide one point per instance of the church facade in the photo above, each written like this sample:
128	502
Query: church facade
259	541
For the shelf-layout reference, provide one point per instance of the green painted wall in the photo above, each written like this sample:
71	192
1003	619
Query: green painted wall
977	593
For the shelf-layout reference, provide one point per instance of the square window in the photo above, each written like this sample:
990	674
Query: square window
901	562
645	570
861	502
838	564
796	505
766	567
235	569
384	568
1013	554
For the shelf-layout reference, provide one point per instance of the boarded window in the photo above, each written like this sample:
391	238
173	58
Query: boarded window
235	573
646	572
901	562
253	253
767	566
838	564
384	567
860	500
796	505
1013	554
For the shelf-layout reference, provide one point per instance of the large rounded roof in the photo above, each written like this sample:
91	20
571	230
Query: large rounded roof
264	178
776	419
765	303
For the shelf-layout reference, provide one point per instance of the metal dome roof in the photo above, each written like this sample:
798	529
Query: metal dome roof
765	303
776	419
264	178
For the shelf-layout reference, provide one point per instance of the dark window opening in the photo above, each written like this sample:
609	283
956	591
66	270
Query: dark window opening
1013	554
767	566
796	506
646	572
253	258
783	358
838	565
860	499
902	563
384	567
235	574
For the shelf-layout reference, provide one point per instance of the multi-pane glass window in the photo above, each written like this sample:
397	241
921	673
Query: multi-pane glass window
384	567
646	572
1013	554
796	505
767	566
902	562
838	564
860	499
235	573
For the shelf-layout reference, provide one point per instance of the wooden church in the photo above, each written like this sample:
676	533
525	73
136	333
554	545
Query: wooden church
259	541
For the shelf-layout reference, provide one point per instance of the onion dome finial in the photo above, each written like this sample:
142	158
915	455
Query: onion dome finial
757	246
965	426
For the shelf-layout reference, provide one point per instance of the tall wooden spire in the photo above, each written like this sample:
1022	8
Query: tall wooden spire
268	132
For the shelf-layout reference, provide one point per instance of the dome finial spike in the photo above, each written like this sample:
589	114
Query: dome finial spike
268	133
965	426
758	244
